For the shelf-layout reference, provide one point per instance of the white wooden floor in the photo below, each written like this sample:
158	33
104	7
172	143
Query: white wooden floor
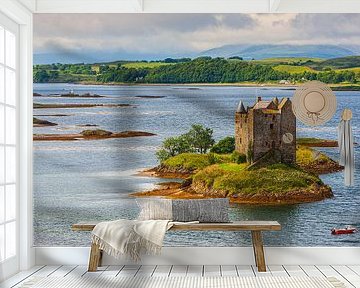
350	275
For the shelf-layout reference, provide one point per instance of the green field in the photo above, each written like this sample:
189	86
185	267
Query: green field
354	69
286	60
139	65
293	69
274	179
338	63
191	161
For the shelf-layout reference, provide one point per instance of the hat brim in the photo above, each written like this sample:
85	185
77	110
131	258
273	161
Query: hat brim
314	103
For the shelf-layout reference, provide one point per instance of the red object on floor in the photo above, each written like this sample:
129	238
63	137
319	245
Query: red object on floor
346	230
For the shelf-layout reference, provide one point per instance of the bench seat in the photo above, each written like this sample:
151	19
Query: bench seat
256	227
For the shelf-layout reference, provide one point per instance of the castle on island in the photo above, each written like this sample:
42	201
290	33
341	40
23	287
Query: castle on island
267	126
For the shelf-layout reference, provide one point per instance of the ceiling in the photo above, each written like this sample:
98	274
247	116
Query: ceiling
192	6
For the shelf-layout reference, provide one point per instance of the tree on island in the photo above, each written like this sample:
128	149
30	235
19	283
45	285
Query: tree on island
198	139
173	146
224	146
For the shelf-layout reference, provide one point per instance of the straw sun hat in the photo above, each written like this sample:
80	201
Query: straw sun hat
314	103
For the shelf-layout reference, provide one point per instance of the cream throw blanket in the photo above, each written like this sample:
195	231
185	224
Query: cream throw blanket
130	237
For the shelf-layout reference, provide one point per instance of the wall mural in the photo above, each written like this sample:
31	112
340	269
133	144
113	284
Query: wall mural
195	106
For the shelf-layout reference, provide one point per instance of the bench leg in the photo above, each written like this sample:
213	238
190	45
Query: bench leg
258	250
253	243
95	258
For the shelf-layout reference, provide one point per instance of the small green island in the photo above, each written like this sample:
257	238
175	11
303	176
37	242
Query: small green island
217	175
253	170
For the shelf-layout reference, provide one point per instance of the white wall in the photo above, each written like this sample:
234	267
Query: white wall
211	256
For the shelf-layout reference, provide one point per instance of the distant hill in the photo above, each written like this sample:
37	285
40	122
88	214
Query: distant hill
88	56
248	52
272	51
338	63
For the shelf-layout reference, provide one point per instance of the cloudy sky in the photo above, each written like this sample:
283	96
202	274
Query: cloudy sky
94	37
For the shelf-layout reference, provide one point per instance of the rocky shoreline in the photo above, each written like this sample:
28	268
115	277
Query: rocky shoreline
185	190
90	135
320	167
149	97
162	171
51	106
174	190
70	95
321	143
42	123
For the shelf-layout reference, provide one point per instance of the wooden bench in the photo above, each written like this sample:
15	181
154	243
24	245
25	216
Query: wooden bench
256	227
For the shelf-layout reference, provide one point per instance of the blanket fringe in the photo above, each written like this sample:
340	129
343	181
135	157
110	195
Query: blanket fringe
133	248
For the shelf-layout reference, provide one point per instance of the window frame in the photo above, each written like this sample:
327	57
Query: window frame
17	17
9	26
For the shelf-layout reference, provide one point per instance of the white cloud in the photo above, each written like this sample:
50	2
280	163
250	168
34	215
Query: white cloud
130	31
185	33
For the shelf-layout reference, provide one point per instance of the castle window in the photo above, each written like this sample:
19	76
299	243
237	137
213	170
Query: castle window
240	140
271	126
273	117
273	144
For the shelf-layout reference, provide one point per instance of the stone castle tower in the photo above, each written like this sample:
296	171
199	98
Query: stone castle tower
268	125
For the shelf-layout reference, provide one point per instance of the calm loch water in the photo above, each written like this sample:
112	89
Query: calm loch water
90	180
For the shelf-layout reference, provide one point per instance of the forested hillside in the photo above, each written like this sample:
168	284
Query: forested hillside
205	70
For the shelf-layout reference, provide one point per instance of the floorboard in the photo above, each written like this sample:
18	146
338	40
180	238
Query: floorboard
278	270
79	271
62	271
112	271
195	271
212	271
98	273
329	271
20	277
178	270
245	271
261	274
129	270
355	268
47	271
146	271
294	271
349	275
311	271
162	271
229	270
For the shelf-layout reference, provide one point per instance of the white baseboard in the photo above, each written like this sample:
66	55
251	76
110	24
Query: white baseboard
8	268
211	256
